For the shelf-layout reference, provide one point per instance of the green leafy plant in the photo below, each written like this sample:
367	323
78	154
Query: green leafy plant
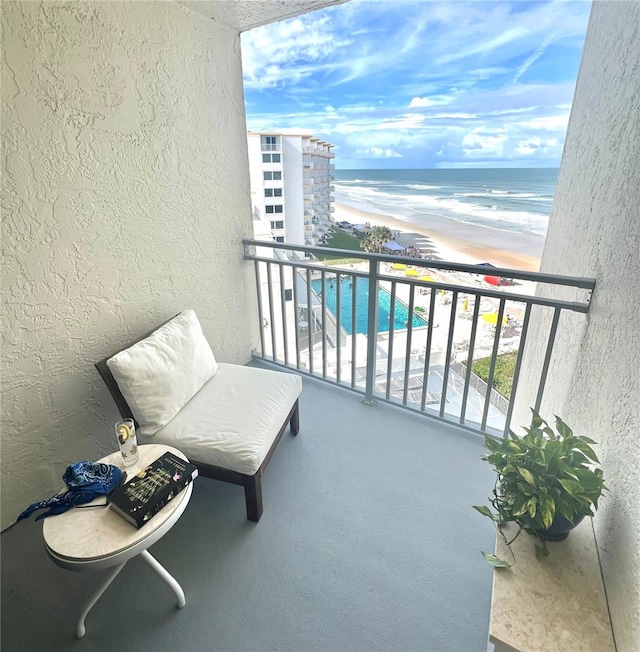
540	475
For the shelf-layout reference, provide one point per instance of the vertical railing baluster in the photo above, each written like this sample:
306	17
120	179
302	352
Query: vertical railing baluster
310	322
427	350
547	358
324	322
271	312
260	311
338	329
283	305
353	329
492	366
392	324
516	373
401	393
372	331
447	364
407	362
472	343
296	309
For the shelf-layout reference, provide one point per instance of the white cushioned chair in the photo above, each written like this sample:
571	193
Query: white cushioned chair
227	419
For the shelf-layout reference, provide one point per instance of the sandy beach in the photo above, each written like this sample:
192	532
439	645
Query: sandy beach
455	241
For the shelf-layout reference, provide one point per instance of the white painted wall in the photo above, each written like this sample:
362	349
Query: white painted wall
125	200
594	230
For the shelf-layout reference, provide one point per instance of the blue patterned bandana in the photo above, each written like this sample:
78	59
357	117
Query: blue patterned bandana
86	481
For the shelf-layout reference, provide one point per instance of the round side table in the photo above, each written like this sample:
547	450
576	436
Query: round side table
83	539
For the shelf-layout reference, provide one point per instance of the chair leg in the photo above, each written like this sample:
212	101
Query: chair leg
295	420
253	496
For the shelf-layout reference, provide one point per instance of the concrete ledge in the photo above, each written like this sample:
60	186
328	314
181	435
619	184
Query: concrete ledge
554	604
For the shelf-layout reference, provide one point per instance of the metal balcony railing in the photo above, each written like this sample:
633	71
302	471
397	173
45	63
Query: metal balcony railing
406	330
270	148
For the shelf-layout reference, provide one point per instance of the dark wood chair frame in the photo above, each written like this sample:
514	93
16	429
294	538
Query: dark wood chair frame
252	483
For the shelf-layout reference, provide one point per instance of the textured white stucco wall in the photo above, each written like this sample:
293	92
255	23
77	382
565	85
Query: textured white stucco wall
594	231
125	197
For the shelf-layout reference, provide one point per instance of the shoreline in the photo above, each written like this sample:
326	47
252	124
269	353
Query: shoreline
455	241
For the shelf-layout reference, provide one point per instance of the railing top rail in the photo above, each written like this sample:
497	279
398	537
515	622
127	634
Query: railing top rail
538	277
575	306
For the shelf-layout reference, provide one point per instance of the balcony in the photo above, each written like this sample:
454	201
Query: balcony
367	540
354	550
415	346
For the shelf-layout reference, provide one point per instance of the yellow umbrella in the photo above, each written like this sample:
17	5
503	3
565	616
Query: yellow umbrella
411	272
492	318
427	278
398	266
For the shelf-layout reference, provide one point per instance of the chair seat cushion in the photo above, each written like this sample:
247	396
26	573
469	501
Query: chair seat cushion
234	418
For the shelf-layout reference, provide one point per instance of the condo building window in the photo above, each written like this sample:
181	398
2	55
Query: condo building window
273	192
279	238
269	143
273	209
278	224
271	158
272	176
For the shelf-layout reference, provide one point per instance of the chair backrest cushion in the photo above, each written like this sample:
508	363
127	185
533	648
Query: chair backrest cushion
159	375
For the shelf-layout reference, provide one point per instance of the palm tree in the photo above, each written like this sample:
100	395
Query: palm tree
374	241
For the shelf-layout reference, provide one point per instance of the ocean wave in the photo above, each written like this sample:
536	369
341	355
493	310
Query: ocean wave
506	195
462	211
421	186
356	182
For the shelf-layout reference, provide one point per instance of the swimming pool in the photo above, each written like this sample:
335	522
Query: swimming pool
401	312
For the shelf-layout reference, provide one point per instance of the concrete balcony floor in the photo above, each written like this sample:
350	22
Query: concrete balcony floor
367	542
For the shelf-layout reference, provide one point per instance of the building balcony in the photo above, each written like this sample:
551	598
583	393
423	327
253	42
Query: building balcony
350	510
367	541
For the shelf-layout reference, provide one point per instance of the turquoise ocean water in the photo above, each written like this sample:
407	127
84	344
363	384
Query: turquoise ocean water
515	200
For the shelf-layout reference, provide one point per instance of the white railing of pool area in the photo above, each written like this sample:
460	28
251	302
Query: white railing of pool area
302	332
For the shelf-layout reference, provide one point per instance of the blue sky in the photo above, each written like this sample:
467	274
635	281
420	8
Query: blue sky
421	84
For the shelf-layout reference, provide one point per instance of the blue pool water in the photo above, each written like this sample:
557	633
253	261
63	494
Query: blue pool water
401	312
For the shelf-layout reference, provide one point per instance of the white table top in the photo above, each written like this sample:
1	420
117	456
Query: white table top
85	535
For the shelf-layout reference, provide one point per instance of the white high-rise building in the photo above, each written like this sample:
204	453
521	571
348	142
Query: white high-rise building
291	185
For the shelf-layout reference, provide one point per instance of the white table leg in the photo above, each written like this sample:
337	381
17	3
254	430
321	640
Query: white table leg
80	629
158	568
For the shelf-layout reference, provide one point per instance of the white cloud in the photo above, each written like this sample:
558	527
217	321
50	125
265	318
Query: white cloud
529	61
281	53
548	123
434	82
418	102
406	121
377	152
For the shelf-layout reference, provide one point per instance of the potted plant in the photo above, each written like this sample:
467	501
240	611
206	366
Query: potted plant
546	483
